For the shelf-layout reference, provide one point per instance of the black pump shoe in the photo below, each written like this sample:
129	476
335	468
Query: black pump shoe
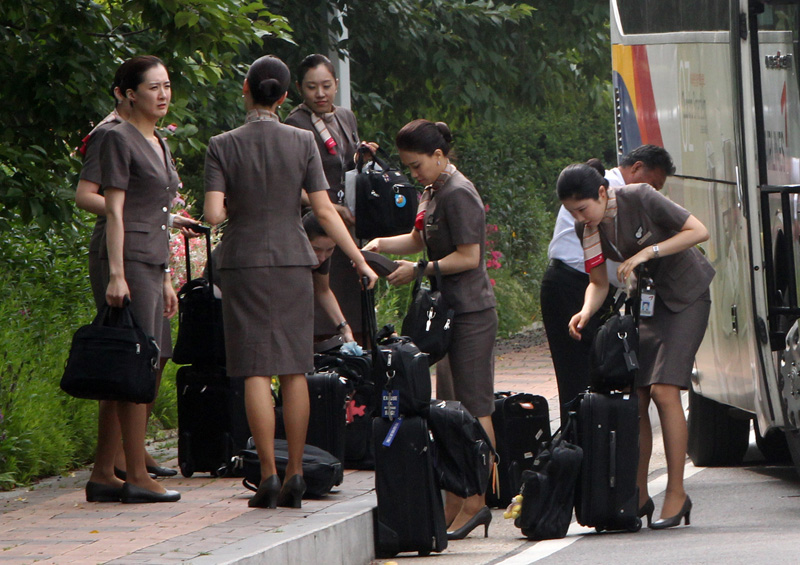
98	492
482	517
675	520
267	494
291	495
159	471
132	494
647	509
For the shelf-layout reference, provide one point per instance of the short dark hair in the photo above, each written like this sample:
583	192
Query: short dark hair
312	62
579	181
423	136
268	78
312	226
652	156
130	74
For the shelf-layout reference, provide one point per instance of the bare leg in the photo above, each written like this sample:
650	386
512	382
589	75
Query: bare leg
109	438
261	418
294	390
673	425
133	420
645	444
474	503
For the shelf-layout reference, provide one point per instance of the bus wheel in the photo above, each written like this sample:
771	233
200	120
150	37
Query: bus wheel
716	439
773	445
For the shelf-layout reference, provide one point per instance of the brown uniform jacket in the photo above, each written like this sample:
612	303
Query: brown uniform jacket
646	217
150	183
344	130
262	167
455	215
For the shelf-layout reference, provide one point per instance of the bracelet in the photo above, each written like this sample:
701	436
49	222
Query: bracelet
341	325
655	251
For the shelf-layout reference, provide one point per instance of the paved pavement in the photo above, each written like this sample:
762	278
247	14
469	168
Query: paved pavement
212	524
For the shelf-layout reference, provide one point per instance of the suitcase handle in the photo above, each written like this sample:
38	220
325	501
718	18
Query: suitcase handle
207	232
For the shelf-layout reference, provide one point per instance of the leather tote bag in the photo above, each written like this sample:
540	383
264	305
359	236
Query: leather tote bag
112	359
429	320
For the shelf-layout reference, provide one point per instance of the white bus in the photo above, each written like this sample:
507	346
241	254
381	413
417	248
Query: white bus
715	82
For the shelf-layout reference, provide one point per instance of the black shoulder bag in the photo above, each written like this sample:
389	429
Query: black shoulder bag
429	320
112	359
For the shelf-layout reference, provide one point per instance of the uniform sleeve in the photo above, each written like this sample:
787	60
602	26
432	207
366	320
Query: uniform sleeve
314	179
116	157
661	210
214	176
466	217
91	170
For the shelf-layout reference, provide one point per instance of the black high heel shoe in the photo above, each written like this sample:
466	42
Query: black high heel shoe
482	517
647	509
675	520
267	494
291	495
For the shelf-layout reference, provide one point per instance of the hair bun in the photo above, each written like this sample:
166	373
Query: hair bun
270	87
597	165
444	129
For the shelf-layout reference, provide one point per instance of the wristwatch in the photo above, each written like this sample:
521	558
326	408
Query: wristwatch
341	325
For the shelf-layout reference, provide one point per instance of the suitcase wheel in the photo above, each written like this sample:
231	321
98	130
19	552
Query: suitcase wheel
636	525
187	470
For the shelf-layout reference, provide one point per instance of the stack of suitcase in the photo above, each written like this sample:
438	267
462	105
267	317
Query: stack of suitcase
521	424
607	497
212	424
410	514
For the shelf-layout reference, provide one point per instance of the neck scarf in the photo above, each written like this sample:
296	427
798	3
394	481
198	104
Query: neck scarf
259	115
112	117
448	171
592	250
319	121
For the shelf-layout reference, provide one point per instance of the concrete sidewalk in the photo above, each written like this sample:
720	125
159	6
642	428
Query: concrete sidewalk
212	524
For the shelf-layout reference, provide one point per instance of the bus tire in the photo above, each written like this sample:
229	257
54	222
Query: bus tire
793	446
773	445
715	438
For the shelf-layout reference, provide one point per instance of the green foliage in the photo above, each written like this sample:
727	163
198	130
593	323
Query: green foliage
59	61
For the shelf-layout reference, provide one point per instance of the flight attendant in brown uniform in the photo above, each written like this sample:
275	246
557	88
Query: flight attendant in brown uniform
451	224
336	134
637	225
139	183
254	177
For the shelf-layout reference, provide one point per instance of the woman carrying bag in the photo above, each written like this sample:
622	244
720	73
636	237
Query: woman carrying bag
451	226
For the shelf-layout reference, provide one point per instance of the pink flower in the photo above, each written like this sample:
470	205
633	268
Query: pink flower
492	281
172	127
491	228
486	207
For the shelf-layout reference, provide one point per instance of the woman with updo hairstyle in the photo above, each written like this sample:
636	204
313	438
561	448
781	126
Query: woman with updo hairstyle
254	176
335	132
451	227
636	225
138	183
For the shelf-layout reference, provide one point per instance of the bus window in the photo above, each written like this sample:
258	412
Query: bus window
662	16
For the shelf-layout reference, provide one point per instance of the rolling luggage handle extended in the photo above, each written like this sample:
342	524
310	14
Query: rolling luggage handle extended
205	230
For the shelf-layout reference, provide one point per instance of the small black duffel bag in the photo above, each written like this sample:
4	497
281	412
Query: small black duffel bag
112	359
429	320
386	202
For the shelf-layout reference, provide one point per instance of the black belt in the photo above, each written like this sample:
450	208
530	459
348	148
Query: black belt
559	264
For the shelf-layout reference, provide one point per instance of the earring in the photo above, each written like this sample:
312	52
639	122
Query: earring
438	162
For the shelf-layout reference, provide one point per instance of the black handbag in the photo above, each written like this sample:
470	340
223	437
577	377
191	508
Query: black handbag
613	359
386	202
201	338
112	359
463	455
548	490
429	320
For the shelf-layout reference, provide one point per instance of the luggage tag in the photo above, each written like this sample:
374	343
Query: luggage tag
392	433
647	302
390	404
631	361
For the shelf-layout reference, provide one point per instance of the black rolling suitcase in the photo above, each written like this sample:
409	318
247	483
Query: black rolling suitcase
410	513
212	424
328	394
607	497
521	424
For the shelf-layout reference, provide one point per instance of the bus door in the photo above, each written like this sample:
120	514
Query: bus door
774	32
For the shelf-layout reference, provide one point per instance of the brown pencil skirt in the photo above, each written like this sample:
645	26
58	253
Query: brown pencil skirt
668	343
268	314
98	279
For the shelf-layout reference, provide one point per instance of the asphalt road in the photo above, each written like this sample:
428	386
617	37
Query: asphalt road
747	514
